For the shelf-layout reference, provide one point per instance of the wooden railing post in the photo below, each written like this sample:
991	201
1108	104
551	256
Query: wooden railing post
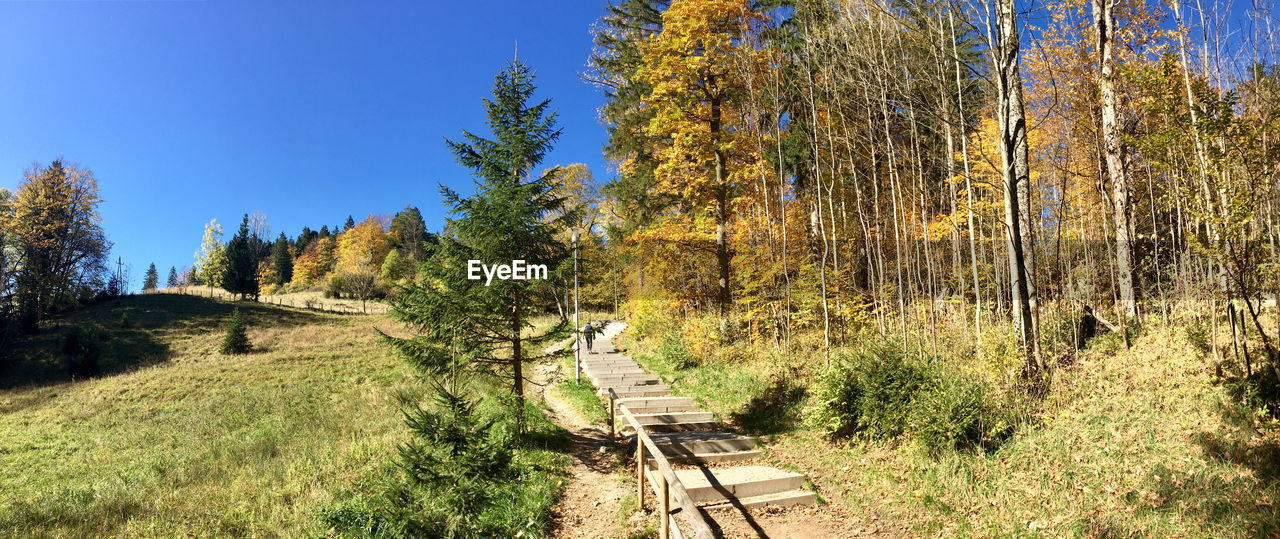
613	405
640	470
665	504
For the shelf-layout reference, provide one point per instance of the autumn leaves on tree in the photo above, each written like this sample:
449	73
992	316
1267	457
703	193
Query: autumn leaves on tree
860	164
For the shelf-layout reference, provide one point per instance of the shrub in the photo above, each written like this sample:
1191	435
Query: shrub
868	390
82	351
672	350
955	412
236	341
880	392
648	317
1197	333
333	286
124	319
837	398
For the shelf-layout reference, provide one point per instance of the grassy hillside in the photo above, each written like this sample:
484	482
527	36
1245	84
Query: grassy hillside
1140	442
176	439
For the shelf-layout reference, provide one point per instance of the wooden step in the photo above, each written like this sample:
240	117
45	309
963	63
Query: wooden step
662	409
626	380
713	485
653	390
779	499
708	458
694	443
596	371
674	418
656	401
595	364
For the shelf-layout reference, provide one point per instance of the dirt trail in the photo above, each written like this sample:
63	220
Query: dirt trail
591	501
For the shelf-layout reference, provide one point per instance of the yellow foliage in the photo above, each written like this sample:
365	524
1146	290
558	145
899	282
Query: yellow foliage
364	246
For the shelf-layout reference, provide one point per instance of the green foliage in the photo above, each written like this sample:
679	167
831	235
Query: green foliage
1196	332
151	279
672	350
172	281
881	393
211	260
281	260
455	465
82	351
954	412
241	276
124	320
236	340
463	323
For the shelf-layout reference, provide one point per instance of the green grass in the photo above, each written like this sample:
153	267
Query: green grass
581	395
176	439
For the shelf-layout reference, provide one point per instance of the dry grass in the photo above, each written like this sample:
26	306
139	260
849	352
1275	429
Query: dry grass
1139	442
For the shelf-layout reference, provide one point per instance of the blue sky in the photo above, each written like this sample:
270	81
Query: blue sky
307	111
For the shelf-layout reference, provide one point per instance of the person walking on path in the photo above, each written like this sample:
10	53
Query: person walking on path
589	332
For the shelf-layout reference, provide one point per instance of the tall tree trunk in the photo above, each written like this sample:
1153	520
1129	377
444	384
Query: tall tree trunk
517	360
1104	25
723	297
1013	160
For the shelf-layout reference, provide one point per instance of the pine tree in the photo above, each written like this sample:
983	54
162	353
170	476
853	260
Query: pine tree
282	260
151	279
236	340
173	277
408	234
241	275
461	323
351	223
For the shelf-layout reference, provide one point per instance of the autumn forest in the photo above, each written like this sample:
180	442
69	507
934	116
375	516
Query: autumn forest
978	268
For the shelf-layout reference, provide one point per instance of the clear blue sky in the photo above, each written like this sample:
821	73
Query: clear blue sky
307	111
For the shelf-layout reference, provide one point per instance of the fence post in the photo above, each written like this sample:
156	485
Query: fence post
640	470
612	406
665	518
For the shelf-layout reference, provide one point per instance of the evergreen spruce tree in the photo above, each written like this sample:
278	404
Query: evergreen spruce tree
351	223
242	267
173	277
151	279
464	325
236	341
281	260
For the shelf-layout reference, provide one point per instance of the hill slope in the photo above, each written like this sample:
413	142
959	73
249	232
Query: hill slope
176	439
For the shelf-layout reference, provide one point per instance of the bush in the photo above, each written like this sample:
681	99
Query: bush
648	317
82	351
867	391
954	412
890	382
333	286
1197	333
236	341
672	350
881	393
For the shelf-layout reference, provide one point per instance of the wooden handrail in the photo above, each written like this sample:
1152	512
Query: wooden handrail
701	530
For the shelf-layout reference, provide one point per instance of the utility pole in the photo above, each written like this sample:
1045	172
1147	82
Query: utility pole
577	341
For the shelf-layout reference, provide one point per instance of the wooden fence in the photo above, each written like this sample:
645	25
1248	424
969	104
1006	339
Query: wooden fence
308	304
668	482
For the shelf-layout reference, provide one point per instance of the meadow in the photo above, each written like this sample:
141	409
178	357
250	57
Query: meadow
176	439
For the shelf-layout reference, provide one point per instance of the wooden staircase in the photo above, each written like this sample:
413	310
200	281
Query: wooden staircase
716	475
